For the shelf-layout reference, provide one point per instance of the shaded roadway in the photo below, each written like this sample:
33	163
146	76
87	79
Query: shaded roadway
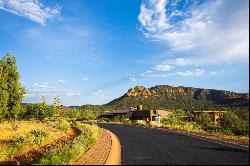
144	146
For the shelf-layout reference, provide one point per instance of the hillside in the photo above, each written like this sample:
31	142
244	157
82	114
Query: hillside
164	96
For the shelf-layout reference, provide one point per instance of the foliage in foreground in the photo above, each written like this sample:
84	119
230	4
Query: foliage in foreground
69	153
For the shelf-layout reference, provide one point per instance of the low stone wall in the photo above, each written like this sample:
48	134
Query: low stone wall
106	151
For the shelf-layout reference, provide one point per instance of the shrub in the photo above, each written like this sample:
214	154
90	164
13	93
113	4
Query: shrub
35	137
206	123
39	136
232	122
104	120
140	123
74	113
63	125
175	121
243	114
87	114
14	125
153	124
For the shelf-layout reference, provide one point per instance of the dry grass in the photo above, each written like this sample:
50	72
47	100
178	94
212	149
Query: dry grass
69	153
10	131
239	138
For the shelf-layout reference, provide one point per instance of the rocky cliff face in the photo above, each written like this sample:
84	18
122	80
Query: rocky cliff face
165	96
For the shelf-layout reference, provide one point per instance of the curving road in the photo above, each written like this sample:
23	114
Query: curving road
144	146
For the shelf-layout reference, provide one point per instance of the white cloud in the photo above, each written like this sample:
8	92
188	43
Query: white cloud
43	85
148	71
179	62
73	94
40	92
163	67
85	78
188	73
214	73
98	92
31	9
219	72
61	81
48	57
173	63
132	78
142	74
212	32
155	75
34	95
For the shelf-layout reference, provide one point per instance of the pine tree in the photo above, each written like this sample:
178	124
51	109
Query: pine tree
12	86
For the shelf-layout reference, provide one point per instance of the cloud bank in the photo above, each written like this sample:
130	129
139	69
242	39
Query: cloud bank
210	32
31	9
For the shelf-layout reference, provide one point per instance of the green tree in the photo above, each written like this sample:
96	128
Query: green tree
88	114
3	93
74	113
45	110
56	105
40	110
13	88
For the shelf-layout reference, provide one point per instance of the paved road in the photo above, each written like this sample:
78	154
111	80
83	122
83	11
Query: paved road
149	146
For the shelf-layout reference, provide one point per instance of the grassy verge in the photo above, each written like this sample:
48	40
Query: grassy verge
194	128
239	138
183	126
69	153
20	137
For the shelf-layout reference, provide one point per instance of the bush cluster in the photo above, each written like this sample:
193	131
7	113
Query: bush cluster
35	137
231	122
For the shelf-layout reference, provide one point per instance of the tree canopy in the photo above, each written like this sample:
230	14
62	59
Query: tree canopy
11	90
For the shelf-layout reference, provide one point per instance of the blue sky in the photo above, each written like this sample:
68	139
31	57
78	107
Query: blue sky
90	52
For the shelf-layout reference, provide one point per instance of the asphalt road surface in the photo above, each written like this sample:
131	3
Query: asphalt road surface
144	146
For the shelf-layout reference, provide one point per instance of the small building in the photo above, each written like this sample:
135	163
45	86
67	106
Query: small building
113	114
138	114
